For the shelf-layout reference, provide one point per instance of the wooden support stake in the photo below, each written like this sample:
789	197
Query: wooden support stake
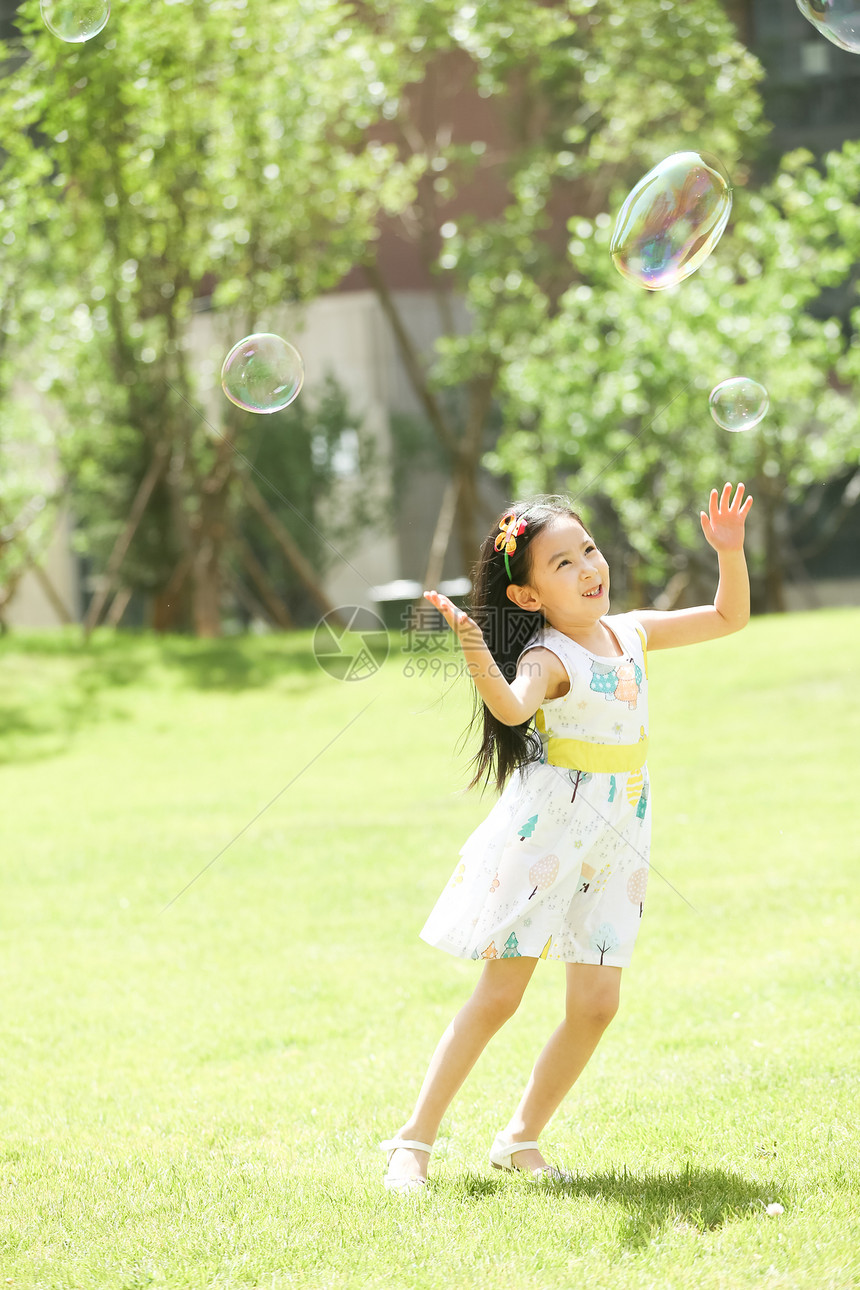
118	607
275	606
289	547
117	555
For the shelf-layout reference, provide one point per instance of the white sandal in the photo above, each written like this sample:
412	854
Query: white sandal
403	1185
502	1152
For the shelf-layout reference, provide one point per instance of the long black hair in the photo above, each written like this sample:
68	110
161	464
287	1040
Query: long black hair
507	630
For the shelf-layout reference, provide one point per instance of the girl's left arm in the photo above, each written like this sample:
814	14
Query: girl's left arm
723	528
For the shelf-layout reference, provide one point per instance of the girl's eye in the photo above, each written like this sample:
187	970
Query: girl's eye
592	547
563	562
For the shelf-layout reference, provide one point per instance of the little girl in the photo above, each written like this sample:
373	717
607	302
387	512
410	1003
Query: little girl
559	868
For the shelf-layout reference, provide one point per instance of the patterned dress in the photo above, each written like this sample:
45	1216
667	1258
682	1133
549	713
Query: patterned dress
559	867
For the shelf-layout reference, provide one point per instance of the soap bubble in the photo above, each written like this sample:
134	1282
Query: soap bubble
262	373
739	403
75	20
672	220
838	20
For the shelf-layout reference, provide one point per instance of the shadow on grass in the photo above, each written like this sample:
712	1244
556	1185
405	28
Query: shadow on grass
118	659
30	730
691	1199
59	683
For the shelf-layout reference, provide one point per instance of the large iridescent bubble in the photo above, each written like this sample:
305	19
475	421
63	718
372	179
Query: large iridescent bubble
75	20
738	403
672	220
262	373
838	20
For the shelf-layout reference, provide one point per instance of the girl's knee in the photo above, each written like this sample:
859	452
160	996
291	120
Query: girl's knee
498	1004
593	996
502	986
597	1009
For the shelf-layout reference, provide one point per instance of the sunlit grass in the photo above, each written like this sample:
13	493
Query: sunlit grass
194	1084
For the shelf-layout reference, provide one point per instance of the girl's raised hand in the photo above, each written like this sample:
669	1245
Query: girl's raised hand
457	619
723	526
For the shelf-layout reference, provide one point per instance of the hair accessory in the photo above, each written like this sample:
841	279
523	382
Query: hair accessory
511	528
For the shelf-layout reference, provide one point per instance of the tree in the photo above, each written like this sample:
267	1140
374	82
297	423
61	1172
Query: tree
190	149
605	940
28	488
543	873
609	401
520	112
527	829
637	885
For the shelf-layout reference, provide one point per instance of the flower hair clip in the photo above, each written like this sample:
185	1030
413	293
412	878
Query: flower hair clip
511	529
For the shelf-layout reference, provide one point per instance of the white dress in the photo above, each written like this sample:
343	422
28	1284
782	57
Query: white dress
559	867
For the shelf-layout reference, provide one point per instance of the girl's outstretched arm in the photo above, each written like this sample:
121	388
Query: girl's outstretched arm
511	704
723	527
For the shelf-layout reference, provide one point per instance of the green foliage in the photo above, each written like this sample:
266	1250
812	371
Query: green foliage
231	155
565	84
190	147
565	122
609	401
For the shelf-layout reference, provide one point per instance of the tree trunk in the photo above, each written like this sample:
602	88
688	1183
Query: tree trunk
118	607
209	532
442	533
275	607
147	484
774	581
468	508
481	392
247	598
465	450
206	588
411	359
170	605
287	544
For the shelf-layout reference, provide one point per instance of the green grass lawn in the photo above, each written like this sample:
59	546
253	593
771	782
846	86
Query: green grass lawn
194	1084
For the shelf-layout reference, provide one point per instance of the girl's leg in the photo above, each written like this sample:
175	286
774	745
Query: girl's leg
494	1000
592	1002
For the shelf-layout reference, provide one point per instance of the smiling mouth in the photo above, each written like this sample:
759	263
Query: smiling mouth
594	593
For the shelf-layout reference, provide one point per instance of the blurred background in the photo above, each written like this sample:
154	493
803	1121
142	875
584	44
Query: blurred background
420	198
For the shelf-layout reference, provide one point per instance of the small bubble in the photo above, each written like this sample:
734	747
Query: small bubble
262	373
738	403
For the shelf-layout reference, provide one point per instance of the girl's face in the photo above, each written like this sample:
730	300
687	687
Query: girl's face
569	578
